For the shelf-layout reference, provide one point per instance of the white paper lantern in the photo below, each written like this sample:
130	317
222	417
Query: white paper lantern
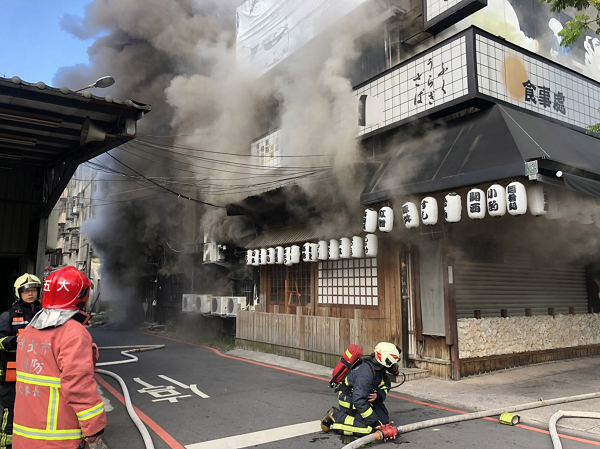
271	256
344	248
279	255
410	215
516	198
476	204
334	249
309	252
295	253
371	245
538	200
287	256
496	200
249	257
452	207
429	211
256	257
357	247
314	252
262	258
370	220
306	252
386	219
323	250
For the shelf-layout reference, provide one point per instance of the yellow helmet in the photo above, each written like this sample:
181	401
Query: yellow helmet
387	354
27	281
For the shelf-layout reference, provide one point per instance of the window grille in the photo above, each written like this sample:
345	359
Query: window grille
351	282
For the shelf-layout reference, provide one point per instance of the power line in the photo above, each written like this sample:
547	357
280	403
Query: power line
158	185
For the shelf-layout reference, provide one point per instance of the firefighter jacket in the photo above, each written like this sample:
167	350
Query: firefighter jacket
11	321
57	399
367	378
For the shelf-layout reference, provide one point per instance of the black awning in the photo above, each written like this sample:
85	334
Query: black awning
583	185
486	146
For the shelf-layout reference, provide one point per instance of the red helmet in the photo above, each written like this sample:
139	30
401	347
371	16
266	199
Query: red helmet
67	288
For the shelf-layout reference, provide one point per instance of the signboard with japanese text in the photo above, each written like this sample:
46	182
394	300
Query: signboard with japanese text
436	77
535	84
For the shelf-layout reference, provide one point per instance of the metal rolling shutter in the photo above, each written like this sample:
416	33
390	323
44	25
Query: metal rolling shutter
517	285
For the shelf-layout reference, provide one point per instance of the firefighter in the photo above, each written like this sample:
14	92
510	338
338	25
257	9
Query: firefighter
28	293
362	393
57	402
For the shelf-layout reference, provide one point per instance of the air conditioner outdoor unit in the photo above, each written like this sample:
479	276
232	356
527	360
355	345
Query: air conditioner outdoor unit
218	305
232	304
189	304
213	251
204	303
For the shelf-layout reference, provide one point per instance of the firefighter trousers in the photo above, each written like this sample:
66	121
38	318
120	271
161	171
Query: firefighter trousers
6	428
349	422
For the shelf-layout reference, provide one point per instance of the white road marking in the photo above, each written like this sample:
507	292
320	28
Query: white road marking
198	392
261	437
173	381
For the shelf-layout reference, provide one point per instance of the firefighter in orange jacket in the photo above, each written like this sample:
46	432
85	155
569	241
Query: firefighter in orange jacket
57	404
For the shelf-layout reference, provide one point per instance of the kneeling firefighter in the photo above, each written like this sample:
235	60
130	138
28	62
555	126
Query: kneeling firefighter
28	292
361	395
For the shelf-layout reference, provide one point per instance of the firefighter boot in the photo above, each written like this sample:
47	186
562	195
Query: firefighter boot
329	419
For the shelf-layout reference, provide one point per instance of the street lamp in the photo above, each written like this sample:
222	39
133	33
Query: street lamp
101	83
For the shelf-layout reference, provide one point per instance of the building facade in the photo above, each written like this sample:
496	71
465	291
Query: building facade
482	253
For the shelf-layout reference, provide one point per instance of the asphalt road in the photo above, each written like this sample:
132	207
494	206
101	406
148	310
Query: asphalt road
254	405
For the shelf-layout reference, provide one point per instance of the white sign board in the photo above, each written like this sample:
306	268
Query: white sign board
434	78
268	31
534	84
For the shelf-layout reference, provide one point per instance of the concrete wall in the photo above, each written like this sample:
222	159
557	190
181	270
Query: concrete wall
498	336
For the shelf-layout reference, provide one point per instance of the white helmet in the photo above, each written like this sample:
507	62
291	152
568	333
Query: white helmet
387	354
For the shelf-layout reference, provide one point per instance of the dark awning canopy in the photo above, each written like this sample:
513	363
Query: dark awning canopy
485	146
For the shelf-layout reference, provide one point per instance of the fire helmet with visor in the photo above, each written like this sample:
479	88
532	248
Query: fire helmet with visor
388	355
67	289
27	281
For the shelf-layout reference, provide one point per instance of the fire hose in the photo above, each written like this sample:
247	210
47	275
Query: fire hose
560	414
378	434
132	359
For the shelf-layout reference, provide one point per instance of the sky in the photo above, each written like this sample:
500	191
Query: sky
33	45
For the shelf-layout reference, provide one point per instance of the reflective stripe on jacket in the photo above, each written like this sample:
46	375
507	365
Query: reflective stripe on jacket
57	399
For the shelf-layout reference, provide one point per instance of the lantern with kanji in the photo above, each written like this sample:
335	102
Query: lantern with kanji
496	200
537	197
385	222
322	250
476	204
334	249
429	211
279	255
249	257
452	207
344	248
410	215
516	198
370	220
356	248
256	257
371	245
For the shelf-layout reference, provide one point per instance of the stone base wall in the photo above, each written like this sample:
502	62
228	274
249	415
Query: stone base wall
512	335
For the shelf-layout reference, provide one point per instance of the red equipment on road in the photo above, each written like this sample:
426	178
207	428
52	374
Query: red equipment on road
341	370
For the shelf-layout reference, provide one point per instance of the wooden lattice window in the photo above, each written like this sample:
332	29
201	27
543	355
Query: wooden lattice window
350	282
299	282
277	293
